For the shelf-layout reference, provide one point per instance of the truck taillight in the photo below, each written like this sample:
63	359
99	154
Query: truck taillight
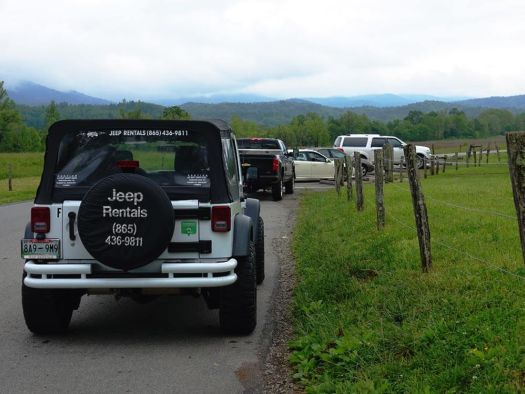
275	165
221	219
341	150
40	220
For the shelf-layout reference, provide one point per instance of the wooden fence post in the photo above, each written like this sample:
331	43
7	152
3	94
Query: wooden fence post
480	156
433	152
432	165
475	157
488	153
420	209
341	172
358	182
437	165
516	153
457	159
380	206
401	169
444	163
497	152
424	167
388	155
337	176
10	177
469	152
348	165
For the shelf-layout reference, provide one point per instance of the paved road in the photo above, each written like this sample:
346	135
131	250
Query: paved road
170	345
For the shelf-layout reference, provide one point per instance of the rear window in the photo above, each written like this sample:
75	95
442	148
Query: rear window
257	143
355	141
168	157
336	153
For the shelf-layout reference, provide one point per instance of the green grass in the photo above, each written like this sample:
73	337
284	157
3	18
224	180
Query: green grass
26	171
453	145
368	320
24	164
23	189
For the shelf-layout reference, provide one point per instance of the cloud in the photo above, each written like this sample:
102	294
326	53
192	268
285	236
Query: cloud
285	48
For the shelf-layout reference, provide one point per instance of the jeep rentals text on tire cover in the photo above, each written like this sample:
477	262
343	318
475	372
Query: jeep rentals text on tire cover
141	208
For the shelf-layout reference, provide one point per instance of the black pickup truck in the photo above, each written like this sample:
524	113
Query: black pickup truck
265	164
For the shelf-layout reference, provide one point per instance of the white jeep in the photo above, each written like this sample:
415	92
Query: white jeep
141	208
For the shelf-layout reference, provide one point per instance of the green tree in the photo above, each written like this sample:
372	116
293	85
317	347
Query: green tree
246	128
175	113
9	116
131	110
51	115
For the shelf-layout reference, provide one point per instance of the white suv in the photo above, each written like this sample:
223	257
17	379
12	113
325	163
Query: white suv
365	144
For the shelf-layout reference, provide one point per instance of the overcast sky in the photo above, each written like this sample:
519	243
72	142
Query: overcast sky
283	48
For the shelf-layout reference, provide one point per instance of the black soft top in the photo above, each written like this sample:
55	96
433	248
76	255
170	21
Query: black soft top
213	130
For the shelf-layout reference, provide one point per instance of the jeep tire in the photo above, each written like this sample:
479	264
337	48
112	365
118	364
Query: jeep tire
289	186
138	231
259	251
238	305
277	190
48	311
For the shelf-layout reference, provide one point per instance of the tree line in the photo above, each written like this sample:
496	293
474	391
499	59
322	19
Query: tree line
27	132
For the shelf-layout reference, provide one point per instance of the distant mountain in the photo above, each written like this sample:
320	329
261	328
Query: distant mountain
375	100
267	113
279	112
215	99
379	100
30	93
510	102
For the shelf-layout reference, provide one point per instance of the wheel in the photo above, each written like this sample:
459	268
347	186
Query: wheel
420	161
277	190
289	186
364	170
48	311
259	252
238	305
146	212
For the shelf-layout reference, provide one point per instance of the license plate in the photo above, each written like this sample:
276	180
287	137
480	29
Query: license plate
40	248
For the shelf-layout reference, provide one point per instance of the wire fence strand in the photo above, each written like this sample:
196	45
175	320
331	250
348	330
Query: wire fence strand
466	254
428	198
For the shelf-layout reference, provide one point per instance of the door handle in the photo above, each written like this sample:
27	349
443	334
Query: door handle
72	216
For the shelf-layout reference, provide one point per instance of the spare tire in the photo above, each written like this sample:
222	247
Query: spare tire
125	221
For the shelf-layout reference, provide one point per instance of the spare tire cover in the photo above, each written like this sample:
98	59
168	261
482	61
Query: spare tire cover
125	221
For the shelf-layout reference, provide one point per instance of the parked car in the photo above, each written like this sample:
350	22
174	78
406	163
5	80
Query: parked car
311	165
141	208
365	144
266	165
333	153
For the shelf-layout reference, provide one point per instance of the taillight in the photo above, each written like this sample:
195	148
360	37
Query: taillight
275	165
221	219
127	164
40	220
341	150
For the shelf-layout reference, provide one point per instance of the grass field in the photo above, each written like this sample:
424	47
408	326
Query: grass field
26	171
23	189
452	146
368	320
24	164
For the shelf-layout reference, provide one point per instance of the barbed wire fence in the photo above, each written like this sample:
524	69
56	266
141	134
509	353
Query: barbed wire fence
408	164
